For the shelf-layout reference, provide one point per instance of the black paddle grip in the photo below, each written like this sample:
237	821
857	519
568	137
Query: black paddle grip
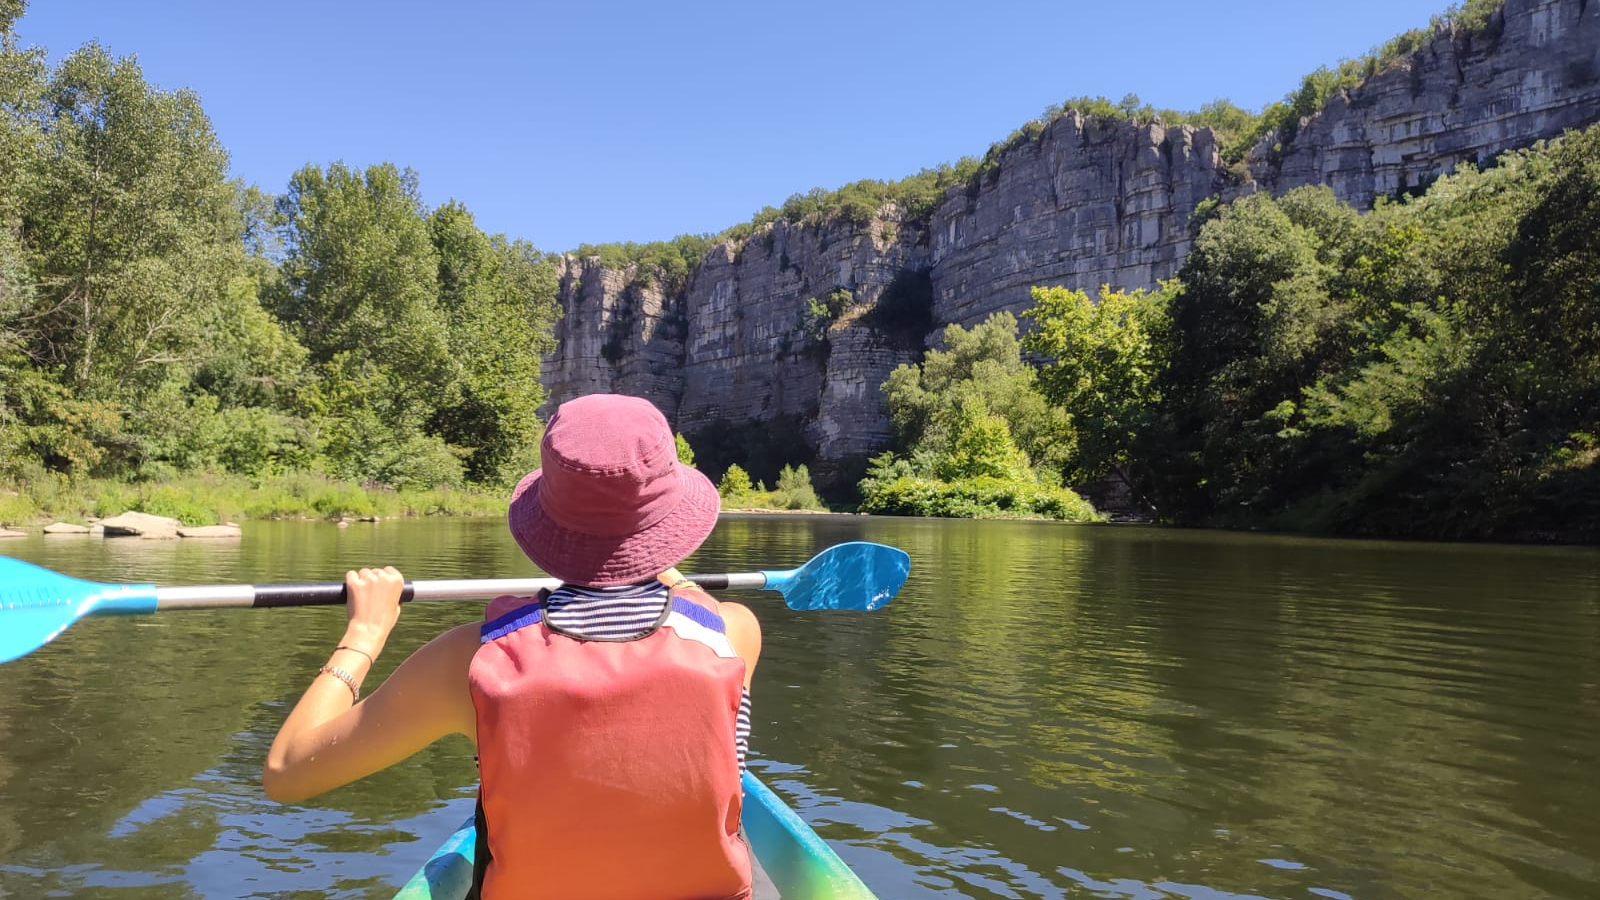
273	595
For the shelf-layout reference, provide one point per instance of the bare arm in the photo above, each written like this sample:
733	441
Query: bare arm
744	633
329	741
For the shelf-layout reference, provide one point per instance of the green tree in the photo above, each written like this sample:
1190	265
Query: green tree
123	277
258	363
794	489
130	226
980	446
735	483
1102	359
360	291
363	434
685	452
1261	315
1229	122
1552	317
1428	369
22	79
361	273
499	301
978	438
982	365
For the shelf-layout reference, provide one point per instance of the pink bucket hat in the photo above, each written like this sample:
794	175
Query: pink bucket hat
610	503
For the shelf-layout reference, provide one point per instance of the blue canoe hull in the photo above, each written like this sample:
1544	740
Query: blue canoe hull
801	865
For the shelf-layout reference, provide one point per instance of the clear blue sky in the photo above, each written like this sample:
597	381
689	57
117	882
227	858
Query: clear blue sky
589	121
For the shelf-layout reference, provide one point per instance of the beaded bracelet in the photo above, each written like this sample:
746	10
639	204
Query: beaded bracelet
348	679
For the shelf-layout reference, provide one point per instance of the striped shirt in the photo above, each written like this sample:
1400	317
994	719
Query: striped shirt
624	613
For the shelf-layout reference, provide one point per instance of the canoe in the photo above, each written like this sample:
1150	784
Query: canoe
800	865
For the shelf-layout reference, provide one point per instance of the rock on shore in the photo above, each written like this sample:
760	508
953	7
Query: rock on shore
138	524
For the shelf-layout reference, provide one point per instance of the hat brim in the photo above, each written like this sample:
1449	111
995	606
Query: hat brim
609	561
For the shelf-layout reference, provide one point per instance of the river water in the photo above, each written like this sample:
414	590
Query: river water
1046	711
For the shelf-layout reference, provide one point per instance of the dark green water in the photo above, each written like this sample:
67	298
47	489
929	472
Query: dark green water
1045	712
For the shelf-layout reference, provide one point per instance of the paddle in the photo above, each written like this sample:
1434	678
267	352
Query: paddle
37	604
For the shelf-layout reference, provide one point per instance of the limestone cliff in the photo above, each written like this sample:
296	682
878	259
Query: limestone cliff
618	332
1084	203
1533	73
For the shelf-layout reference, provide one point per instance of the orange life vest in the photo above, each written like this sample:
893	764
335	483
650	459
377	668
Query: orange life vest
609	768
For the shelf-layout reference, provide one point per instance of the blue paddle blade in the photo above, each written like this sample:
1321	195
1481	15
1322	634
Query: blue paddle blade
37	604
854	575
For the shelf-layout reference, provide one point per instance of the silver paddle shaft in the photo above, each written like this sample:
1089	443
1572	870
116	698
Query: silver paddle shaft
220	596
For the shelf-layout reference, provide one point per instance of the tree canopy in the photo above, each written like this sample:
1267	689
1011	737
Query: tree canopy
978	438
1429	369
156	317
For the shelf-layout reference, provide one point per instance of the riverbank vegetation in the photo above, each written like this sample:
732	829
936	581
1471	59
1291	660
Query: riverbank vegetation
178	343
981	440
205	499
1428	369
792	491
159	320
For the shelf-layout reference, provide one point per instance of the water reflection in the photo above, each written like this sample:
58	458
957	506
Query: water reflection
1046	711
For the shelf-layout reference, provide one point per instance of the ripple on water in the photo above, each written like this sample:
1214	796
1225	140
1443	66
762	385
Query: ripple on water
1045	712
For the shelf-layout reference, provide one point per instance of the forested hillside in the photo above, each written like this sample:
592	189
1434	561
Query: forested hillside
1419	362
1428	369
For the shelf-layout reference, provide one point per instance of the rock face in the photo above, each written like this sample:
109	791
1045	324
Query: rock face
1089	203
1082	204
618	333
750	356
1533	73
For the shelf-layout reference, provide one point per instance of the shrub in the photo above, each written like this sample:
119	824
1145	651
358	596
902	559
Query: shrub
207	498
451	502
735	483
421	462
177	502
977	498
794	490
111	498
16	509
336	499
255	441
43	490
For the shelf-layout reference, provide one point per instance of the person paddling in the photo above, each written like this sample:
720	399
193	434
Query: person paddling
611	715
